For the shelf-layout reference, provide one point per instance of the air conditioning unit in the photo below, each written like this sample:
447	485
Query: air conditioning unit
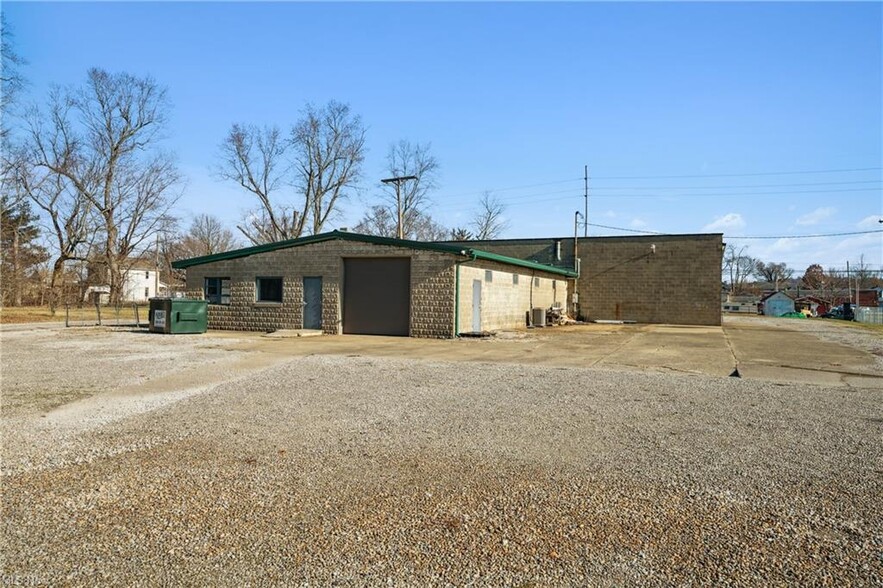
538	317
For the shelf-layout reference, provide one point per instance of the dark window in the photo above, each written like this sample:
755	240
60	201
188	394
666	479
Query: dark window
269	289
217	290
488	276
515	279
536	282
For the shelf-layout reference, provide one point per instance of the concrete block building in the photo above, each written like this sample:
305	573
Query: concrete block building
672	279
342	282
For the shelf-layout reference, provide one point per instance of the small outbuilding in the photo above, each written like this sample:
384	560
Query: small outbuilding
342	282
777	304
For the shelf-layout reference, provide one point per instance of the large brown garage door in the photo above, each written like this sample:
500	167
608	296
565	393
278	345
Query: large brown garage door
377	296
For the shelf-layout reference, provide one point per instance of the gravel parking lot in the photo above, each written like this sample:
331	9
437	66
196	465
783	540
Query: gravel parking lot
217	469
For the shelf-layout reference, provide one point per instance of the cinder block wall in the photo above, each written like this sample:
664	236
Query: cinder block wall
620	279
504	305
432	287
678	283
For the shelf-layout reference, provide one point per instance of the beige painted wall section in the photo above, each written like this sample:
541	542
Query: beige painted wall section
432	287
504	304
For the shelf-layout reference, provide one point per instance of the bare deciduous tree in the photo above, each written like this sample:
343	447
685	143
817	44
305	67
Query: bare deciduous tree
738	266
377	221
255	158
207	236
320	160
69	217
489	221
12	80
408	200
424	228
774	273
329	148
101	139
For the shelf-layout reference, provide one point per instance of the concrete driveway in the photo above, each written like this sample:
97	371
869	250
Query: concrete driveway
777	350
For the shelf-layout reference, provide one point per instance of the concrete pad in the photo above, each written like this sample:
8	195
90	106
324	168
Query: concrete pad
290	333
762	351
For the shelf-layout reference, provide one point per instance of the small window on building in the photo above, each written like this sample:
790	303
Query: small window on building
554	284
536	282
269	289
147	292
217	290
488	276
515	279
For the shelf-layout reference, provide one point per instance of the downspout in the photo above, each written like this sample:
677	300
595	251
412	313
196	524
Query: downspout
457	265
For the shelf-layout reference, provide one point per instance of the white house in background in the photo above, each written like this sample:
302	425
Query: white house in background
139	285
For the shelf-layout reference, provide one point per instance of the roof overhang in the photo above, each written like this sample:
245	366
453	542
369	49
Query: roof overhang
457	250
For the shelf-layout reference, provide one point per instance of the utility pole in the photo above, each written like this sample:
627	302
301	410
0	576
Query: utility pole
156	268
400	229
586	214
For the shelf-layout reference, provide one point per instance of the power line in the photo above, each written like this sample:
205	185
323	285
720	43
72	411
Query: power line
624	229
743	175
510	188
729	237
735	186
810	236
738	193
571	180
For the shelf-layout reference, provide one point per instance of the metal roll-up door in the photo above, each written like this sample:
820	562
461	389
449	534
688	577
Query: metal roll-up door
377	296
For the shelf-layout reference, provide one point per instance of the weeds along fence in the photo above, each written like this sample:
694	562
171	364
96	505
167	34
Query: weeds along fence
120	315
869	315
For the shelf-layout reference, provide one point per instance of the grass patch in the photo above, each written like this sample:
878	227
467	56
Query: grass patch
78	315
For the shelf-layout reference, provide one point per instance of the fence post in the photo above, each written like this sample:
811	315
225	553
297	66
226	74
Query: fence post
67	315
98	310
137	317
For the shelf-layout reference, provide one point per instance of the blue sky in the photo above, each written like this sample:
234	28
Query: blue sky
524	94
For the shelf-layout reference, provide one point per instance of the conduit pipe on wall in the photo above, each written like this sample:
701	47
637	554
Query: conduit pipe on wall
457	264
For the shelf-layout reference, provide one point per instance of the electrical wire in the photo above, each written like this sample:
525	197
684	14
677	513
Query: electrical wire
810	236
730	237
734	186
596	195
623	229
743	175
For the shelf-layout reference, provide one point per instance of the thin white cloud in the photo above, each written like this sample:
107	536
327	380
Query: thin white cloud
637	223
731	220
610	214
870	222
816	216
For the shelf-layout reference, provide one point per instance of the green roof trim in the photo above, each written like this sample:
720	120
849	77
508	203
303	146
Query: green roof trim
347	236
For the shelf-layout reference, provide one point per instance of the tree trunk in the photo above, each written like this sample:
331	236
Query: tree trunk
114	274
53	292
16	269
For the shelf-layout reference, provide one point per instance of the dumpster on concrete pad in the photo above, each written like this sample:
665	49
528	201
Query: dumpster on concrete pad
177	315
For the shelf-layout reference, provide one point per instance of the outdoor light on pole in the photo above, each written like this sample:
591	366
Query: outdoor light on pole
400	232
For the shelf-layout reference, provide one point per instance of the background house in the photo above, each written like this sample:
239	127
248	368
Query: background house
139	285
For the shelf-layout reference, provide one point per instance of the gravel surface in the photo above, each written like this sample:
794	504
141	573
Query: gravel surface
376	471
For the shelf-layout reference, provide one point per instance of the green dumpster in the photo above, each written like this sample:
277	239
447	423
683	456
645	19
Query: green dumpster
177	315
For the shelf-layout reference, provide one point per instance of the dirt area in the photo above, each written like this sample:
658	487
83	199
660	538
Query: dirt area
603	455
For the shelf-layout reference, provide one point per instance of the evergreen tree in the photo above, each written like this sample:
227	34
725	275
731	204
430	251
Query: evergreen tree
20	251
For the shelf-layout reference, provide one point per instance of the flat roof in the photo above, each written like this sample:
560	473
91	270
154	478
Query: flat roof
460	250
